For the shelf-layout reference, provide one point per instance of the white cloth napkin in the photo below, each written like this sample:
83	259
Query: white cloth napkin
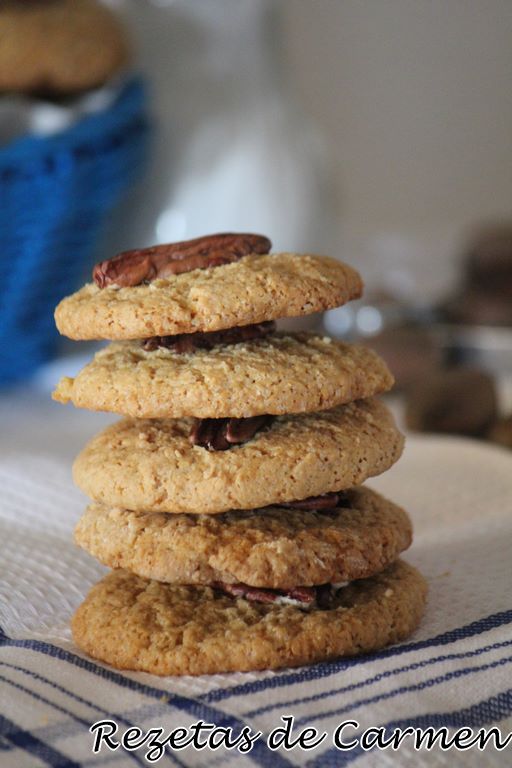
455	671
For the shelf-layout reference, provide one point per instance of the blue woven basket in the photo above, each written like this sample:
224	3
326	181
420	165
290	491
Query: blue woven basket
56	193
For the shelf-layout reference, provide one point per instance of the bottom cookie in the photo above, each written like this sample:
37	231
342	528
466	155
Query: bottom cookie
145	625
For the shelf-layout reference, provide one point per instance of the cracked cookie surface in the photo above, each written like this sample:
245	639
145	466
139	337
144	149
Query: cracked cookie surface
140	624
251	290
282	373
274	548
150	465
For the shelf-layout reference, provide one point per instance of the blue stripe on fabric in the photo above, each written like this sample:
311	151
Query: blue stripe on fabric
260	753
377	678
487	711
261	756
44	700
112	715
29	743
325	669
116	757
431	682
62	710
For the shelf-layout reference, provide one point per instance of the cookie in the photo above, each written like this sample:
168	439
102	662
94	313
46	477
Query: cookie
281	373
472	306
411	352
489	260
460	401
58	46
150	465
254	289
500	431
275	547
140	624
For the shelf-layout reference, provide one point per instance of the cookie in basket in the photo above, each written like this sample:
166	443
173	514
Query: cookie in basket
59	47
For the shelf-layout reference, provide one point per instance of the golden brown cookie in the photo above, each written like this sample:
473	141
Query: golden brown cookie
275	548
141	624
150	465
251	290
282	373
58	46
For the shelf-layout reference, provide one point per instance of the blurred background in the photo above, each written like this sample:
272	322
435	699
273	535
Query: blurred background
376	132
394	120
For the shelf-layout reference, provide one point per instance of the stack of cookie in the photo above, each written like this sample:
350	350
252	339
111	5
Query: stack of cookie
229	501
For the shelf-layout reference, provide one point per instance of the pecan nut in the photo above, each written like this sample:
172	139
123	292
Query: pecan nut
209	434
306	596
188	342
322	596
328	501
221	434
135	267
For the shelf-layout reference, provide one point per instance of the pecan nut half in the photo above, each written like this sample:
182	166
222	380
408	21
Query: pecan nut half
221	434
306	596
145	264
189	342
327	501
322	596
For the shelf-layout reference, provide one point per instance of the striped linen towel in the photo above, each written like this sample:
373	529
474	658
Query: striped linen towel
454	675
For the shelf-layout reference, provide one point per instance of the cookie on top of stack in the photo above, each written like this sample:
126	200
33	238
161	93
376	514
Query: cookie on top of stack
229	500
